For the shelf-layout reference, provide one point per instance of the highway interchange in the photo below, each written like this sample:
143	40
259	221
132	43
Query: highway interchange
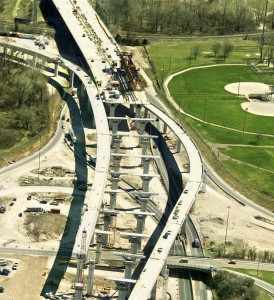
157	260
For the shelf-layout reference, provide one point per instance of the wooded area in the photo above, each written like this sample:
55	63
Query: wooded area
24	108
182	16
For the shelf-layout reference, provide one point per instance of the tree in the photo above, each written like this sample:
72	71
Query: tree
230	287
195	51
216	46
227	49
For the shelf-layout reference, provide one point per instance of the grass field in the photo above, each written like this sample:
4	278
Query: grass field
201	94
216	105
266	276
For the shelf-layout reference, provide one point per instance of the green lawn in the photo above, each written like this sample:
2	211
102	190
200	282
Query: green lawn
203	96
200	93
219	135
259	157
174	56
253	177
266	276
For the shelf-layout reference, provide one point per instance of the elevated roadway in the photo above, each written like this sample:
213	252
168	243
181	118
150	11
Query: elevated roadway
157	260
89	44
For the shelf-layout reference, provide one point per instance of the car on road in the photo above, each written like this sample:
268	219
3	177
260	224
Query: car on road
186	191
180	202
29	197
12	203
43	201
54	203
231	262
196	243
20	215
175	217
183	261
14	199
63	117
2	289
165	236
160	249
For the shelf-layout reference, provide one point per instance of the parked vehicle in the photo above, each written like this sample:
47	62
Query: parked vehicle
3	262
54	203
55	210
29	197
2	289
34	209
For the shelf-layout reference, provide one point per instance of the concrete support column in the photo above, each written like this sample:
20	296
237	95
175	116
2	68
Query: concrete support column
140	223
131	109
43	63
165	285
146	113
137	115
112	108
128	270
183	228
165	128
145	183
179	146
82	90
34	60
115	182
192	207
107	219
56	69
158	124
115	124
122	291
144	202
144	145
112	203
153	292
145	163
134	244
79	269
141	130
78	291
98	249
116	163
91	267
117	142
71	78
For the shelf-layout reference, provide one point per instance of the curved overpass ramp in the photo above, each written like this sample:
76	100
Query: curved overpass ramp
157	260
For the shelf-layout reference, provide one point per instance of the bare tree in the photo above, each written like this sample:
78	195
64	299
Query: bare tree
227	49
216	46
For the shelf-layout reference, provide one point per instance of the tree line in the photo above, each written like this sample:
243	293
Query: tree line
182	17
24	109
239	249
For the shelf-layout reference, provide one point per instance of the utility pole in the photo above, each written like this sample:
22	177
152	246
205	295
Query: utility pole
226	228
263	30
